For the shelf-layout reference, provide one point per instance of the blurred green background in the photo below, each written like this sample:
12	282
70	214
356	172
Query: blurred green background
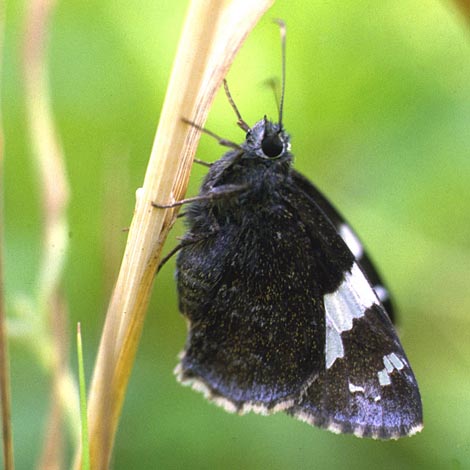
378	105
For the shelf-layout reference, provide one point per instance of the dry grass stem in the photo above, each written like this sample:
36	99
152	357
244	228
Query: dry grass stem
464	6
213	32
50	337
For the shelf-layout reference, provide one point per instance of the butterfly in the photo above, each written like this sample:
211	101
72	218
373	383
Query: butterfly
286	311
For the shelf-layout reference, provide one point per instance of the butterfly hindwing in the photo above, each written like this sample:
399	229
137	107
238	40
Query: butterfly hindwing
257	331
367	386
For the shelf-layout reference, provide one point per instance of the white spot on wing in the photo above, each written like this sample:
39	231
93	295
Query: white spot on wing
364	293
355	388
384	378
391	362
334	346
396	361
388	365
350	238
381	292
352	298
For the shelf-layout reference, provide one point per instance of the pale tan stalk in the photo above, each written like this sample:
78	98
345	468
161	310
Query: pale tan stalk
464	6
49	335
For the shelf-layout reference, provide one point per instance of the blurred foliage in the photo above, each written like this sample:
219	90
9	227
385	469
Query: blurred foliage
378	104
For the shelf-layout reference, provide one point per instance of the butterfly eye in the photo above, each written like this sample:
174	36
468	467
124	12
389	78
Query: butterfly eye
272	145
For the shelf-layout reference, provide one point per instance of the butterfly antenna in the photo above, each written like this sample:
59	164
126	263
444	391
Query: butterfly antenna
241	123
274	85
282	29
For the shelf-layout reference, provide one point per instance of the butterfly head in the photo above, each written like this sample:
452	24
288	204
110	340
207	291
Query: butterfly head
267	140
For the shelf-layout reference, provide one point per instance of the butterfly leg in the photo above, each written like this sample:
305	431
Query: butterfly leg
215	193
186	242
202	162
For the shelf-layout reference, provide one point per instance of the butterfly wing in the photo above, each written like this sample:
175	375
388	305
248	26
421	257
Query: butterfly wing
350	238
367	386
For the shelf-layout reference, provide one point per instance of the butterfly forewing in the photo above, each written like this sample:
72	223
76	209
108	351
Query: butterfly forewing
345	231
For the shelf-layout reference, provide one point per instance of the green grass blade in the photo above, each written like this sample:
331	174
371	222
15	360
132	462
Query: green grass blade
83	404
